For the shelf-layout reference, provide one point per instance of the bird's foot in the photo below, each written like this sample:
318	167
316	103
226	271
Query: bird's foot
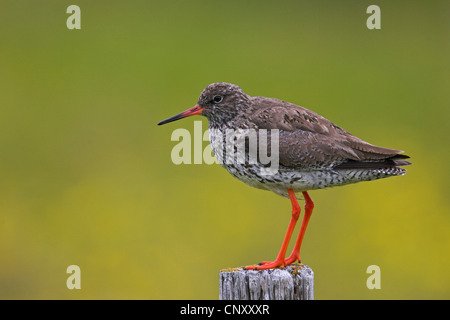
292	258
264	265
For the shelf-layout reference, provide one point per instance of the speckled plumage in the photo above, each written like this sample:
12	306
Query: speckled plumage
314	153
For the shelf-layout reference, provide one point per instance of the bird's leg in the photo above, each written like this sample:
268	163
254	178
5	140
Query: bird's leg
280	261
309	206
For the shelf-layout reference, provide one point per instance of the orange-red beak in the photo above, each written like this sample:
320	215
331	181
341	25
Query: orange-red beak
189	112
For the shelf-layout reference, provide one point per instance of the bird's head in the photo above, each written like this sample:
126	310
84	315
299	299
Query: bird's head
219	102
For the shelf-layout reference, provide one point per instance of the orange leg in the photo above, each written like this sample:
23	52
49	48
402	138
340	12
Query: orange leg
280	261
309	206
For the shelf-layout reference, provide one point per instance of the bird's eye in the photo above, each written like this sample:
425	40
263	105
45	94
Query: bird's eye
217	99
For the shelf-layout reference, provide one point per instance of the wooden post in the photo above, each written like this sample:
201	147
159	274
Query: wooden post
293	282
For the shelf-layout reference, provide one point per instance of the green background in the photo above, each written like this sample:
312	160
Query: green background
86	176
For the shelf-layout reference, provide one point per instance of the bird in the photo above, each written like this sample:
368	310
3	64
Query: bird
313	152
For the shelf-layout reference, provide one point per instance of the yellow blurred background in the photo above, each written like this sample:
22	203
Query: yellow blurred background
86	176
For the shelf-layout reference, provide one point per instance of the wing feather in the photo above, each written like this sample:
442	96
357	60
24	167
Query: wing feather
309	140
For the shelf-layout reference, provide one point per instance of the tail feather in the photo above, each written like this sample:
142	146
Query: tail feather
391	162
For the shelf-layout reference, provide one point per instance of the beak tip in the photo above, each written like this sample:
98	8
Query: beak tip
163	122
190	112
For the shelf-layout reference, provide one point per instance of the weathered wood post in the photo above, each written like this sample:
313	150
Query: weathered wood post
293	282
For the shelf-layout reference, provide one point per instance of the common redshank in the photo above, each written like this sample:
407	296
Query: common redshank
313	152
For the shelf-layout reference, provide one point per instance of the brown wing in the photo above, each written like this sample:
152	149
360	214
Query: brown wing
309	140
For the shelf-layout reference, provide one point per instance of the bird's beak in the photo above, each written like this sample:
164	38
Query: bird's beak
189	112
